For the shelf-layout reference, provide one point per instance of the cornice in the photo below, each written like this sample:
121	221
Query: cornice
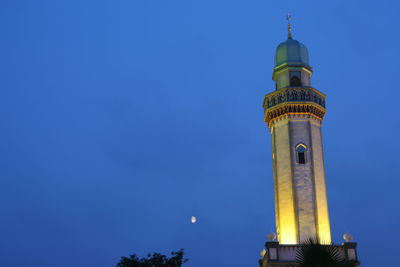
294	65
299	109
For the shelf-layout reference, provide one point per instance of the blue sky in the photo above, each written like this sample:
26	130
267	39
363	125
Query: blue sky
122	119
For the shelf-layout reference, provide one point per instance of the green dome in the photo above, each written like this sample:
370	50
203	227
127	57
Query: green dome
291	51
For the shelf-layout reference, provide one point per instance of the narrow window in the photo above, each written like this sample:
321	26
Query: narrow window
301	154
295	78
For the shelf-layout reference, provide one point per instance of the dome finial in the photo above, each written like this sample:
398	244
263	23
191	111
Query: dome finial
289	26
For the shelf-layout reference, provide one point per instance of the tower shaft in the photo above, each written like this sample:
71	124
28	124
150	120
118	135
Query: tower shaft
294	116
300	195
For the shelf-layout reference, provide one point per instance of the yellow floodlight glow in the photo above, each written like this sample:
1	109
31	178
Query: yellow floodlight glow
287	230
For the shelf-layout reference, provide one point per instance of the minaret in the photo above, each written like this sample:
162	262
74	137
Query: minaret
294	114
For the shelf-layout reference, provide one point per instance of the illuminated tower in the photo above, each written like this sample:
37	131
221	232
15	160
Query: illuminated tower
294	114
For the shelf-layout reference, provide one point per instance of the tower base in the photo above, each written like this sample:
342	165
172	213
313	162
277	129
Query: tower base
278	255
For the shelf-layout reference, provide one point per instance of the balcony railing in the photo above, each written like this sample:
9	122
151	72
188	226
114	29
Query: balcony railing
290	94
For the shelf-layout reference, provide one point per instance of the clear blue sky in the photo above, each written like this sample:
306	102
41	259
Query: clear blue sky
121	119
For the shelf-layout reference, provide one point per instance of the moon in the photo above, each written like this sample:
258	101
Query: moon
193	219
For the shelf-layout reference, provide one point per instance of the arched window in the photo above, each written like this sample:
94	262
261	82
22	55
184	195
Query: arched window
295	78
301	150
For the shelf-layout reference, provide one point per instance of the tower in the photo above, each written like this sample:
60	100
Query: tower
294	113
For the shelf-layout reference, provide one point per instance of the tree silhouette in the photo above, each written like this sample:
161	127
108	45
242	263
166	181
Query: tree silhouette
154	260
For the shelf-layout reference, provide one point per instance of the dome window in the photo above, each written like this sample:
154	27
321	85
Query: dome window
295	78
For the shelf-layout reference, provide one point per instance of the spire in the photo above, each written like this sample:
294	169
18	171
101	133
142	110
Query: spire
289	26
